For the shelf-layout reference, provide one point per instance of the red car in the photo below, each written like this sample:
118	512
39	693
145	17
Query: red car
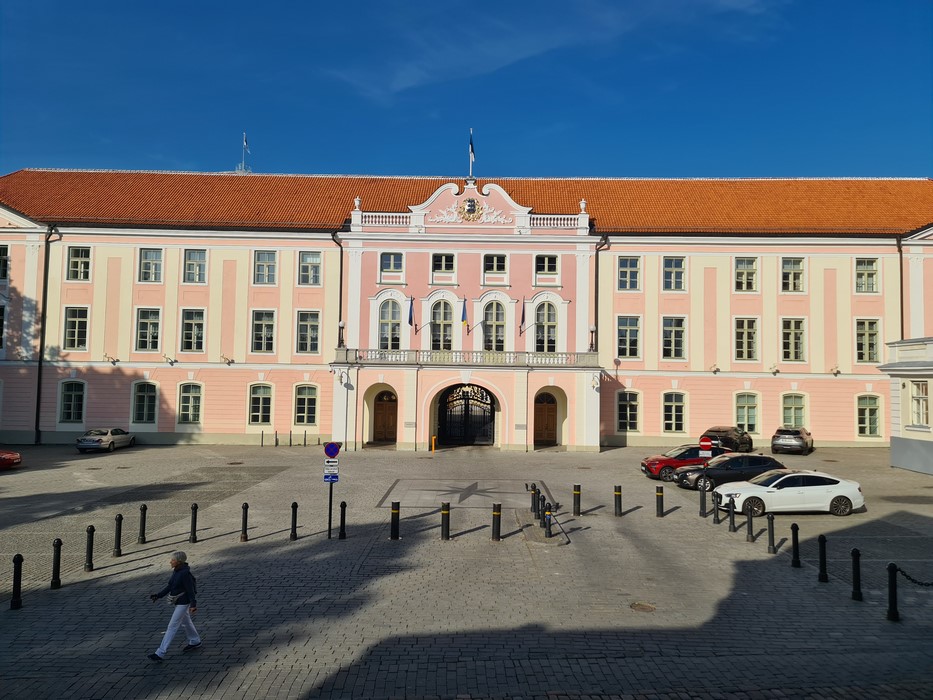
8	459
662	466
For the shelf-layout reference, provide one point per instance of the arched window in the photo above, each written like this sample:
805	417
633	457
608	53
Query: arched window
673	412
72	402
792	407
189	403
628	411
869	416
442	327
144	403
494	326
746	412
305	405
390	327
260	404
546	328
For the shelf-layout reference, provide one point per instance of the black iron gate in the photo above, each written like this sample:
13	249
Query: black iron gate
466	416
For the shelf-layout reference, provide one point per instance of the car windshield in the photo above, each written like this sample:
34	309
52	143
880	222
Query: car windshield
96	432
768	478
677	451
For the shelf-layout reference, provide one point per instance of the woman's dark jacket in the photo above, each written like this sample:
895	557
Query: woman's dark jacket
181	582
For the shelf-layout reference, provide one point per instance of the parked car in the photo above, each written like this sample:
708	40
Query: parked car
105	439
793	490
10	459
724	469
792	440
662	466
730	436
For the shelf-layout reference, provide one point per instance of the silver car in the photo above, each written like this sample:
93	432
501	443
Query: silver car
105	439
792	440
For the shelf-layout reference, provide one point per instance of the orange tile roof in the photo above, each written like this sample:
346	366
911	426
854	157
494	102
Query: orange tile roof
229	200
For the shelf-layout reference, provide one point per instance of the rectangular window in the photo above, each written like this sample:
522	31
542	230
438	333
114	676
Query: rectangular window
792	410
494	264
866	340
150	265
72	402
628	273
263	331
305	405
4	263
920	403
674	275
546	264
195	266
792	275
79	263
746	412
628	337
746	274
792	340
673	412
75	328
308	330
390	262
628	412
144	403
264	267
147	330
192	330
442	262
309	268
746	339
869	416
189	403
866	275
672	338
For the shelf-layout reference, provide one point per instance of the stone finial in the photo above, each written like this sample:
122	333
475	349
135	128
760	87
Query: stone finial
357	201
583	206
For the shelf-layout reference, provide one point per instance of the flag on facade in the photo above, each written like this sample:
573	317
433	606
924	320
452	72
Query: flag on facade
245	144
522	324
463	316
411	312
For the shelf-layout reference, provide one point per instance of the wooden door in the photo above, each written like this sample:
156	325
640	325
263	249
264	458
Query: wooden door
385	417
545	419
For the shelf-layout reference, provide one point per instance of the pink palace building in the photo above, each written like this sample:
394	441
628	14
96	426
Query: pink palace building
517	313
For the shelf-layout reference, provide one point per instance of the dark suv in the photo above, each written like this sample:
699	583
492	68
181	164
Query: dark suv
724	469
729	436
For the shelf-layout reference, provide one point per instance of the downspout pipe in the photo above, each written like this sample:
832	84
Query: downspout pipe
49	234
603	243
900	268
337	242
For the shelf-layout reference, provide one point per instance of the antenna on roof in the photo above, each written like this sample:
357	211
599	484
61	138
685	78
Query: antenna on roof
242	168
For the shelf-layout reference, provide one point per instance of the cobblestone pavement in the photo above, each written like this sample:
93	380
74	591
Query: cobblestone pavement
610	607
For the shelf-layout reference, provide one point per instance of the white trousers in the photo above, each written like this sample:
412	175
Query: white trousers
180	618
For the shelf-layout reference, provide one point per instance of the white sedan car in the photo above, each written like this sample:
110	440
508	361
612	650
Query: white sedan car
105	439
781	490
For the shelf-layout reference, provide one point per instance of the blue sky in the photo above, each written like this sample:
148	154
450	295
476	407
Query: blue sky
601	88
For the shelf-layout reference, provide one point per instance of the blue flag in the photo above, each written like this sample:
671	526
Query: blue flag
463	316
411	312
522	324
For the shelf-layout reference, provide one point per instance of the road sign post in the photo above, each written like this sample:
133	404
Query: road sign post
706	447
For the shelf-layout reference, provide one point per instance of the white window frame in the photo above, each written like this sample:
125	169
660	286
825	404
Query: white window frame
790	277
184	402
628	274
677	333
919	403
871	341
745	278
750	338
265	268
296	398
863	426
309	269
141	323
78	266
790	335
266	404
86	322
867	279
266	324
680	407
313	330
184	332
637	407
674	277
198	267
150	270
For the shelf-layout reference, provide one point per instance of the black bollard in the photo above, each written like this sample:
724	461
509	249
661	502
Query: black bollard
547	519
16	602
496	521
393	533
893	615
717	501
56	563
823	577
576	499
856	575
795	545
659	501
142	524
732	527
541	504
618	500
343	521
702	503
771	548
244	537
293	535
749	526
118	535
89	551
193	537
445	521
534	498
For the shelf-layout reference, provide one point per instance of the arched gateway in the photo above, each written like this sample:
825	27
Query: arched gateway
466	415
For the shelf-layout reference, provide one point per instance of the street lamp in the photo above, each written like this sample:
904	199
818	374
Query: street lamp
592	338
340	327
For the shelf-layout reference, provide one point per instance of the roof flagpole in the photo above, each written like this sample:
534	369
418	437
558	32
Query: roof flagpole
472	153
245	151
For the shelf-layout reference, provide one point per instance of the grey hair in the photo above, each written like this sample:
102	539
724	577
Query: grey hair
180	556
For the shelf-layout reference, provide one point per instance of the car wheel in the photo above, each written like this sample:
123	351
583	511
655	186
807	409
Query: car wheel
110	447
666	474
755	507
840	505
132	442
704	484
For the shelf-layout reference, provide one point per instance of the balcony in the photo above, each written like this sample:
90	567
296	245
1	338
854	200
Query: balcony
470	358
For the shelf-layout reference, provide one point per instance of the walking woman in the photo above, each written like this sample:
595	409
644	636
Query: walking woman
181	592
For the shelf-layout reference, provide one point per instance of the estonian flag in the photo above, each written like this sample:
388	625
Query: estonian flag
472	152
411	312
245	144
463	316
522	324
